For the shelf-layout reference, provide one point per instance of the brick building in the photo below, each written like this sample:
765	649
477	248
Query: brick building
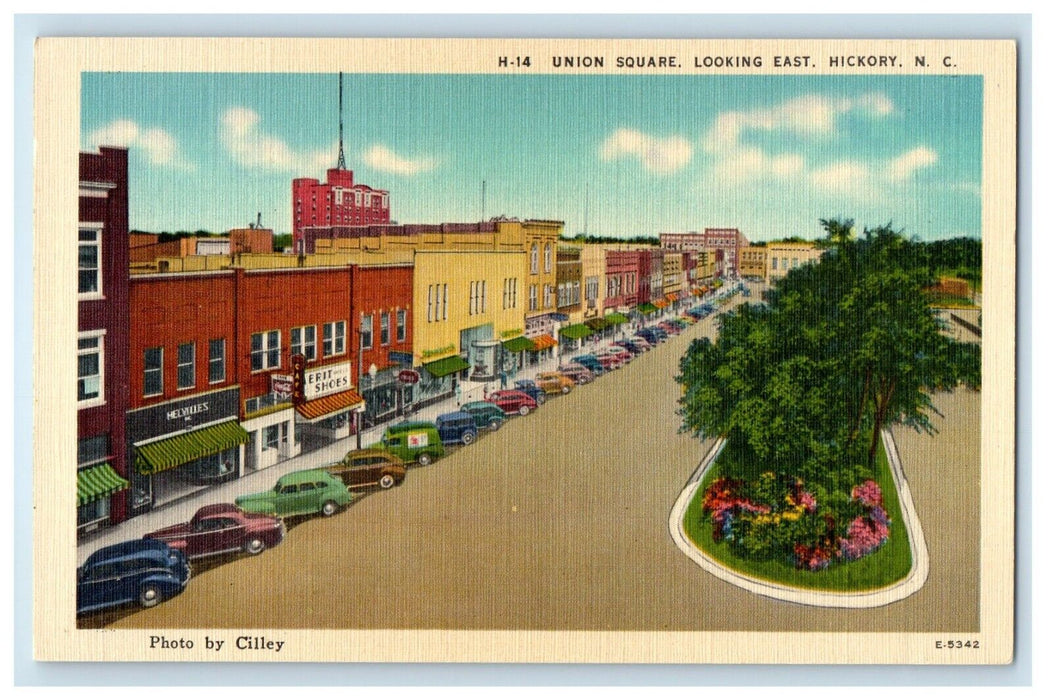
336	202
102	338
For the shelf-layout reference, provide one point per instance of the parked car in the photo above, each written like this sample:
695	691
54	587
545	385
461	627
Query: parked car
303	492
369	467
413	441
457	428
142	571
623	355
670	327
639	342
662	333
609	361
591	363
649	335
578	373
511	401
633	348
554	383
486	414
531	389
222	528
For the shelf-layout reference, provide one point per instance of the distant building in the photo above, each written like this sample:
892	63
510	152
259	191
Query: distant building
751	261
783	257
336	202
728	241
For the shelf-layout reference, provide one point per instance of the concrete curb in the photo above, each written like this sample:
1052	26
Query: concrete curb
899	590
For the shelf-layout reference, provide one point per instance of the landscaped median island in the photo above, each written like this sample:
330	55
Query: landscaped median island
803	502
784	531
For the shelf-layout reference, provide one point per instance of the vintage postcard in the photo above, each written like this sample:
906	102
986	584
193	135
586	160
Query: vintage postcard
510	350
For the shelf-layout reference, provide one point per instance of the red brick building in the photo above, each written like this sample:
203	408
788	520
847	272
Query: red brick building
727	242
382	327
336	202
102	338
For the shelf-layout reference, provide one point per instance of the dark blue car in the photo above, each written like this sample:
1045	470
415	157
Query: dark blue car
531	389
649	335
145	571
589	362
457	428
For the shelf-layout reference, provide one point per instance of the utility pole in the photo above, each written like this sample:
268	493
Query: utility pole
482	214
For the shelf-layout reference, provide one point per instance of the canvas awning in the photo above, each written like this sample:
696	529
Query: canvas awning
544	342
597	324
320	409
647	308
576	331
171	452
518	344
616	318
447	365
98	482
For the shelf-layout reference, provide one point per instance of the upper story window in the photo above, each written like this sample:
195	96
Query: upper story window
533	258
400	325
89	256
266	350
548	257
89	370
302	341
217	360
367	331
185	374
385	329
333	338
153	371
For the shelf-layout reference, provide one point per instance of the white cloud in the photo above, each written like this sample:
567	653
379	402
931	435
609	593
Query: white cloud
159	147
656	154
748	163
385	160
844	177
251	147
904	166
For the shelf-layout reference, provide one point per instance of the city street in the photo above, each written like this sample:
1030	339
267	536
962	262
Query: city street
559	521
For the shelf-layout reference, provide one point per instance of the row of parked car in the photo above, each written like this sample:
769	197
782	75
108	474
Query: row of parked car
157	567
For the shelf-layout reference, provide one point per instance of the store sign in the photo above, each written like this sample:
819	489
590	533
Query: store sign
323	381
282	386
409	376
182	415
515	332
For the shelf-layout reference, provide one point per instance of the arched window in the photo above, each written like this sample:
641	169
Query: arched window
533	259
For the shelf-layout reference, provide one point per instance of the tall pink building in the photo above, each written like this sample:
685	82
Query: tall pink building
336	202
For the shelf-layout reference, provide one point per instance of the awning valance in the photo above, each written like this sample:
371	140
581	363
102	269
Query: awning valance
616	318
98	482
544	342
171	452
447	365
576	331
518	344
320	409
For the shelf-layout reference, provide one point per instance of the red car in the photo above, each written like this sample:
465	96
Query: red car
608	360
511	401
220	528
576	372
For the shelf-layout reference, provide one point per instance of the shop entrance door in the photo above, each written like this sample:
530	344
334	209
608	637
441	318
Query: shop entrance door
250	452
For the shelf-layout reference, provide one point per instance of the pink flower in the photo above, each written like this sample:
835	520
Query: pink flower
868	493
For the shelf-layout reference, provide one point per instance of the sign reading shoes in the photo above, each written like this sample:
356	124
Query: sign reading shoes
323	381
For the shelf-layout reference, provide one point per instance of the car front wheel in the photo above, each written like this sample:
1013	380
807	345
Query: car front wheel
387	481
424	459
565	390
540	399
254	545
328	508
468	438
149	596
495	424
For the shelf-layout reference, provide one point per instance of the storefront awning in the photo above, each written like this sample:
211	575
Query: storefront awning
647	308
447	365
171	452
661	303
597	324
323	408
576	331
671	296
518	344
616	318
98	482
544	342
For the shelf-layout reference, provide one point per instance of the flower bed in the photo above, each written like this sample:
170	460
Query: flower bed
782	530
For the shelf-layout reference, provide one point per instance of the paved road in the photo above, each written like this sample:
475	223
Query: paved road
558	521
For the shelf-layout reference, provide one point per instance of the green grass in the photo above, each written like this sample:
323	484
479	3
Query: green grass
884	567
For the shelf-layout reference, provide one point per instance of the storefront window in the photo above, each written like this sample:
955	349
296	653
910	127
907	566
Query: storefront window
271	436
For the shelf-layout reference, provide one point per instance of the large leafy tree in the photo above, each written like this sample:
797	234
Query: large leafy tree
804	384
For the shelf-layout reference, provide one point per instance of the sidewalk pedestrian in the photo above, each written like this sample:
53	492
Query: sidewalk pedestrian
504	379
457	391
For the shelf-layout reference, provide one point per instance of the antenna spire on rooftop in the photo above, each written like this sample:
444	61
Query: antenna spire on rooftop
340	164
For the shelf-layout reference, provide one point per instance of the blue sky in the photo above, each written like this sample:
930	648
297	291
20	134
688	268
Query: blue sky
770	155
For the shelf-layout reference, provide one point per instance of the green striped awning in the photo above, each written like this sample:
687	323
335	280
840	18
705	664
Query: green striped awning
616	318
518	344
447	365
171	452
647	308
96	482
575	331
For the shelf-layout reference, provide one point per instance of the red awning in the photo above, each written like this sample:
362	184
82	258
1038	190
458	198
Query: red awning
544	342
329	405
660	303
671	296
